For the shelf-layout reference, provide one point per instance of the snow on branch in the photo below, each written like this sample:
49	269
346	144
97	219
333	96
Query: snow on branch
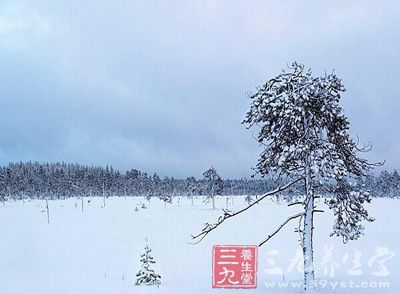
280	227
229	214
347	206
297	215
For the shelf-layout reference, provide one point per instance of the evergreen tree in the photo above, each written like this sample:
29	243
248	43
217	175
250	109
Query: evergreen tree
214	184
146	275
304	133
166	199
394	184
383	184
55	180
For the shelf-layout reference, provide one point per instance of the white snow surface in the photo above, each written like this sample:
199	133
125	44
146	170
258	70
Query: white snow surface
98	250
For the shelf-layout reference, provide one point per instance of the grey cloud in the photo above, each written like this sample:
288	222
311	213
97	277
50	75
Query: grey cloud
161	86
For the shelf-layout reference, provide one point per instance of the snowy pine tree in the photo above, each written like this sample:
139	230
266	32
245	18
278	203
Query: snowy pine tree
304	133
166	199
146	275
26	180
214	184
395	184
383	184
2	183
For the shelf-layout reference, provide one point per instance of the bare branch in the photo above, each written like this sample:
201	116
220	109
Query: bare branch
229	214
295	203
280	227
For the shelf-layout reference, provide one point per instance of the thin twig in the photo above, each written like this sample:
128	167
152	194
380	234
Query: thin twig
280	227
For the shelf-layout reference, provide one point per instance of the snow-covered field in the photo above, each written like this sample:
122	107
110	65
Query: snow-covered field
97	250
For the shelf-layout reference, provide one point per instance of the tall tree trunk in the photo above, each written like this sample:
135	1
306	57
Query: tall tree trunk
212	196
9	192
104	196
48	211
309	281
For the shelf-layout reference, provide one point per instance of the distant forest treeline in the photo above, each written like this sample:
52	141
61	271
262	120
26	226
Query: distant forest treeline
59	180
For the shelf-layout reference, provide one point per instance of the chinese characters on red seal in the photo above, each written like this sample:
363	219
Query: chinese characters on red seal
234	266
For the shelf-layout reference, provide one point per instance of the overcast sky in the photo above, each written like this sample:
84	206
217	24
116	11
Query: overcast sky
162	85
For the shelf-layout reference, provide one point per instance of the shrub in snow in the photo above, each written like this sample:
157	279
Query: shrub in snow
248	199
146	275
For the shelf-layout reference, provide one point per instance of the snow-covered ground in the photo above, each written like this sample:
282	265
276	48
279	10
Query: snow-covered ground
97	250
